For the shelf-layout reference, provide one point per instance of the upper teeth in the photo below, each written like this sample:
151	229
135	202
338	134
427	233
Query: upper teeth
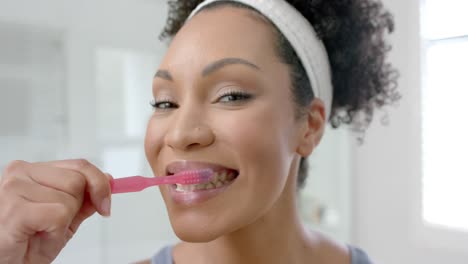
219	179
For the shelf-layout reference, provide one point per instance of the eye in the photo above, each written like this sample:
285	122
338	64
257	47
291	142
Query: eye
234	96
162	105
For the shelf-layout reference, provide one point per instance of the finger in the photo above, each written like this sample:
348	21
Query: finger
37	193
14	169
97	183
109	176
23	219
87	210
64	180
52	229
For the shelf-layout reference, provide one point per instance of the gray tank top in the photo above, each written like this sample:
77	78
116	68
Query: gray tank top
164	256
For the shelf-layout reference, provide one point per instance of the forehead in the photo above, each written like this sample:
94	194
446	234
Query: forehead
223	32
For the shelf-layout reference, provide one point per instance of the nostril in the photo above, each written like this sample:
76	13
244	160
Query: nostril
193	145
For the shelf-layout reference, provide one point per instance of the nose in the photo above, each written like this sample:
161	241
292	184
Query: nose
188	132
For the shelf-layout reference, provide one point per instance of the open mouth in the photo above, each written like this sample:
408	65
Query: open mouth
220	179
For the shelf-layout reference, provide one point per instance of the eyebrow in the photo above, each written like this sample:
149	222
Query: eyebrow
225	62
212	67
164	74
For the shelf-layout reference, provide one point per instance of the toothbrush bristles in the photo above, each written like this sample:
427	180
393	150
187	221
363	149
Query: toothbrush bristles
196	176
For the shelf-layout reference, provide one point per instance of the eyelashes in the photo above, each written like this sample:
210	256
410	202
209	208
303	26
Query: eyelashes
234	96
157	105
228	98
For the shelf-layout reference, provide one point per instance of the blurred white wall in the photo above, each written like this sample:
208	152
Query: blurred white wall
387	183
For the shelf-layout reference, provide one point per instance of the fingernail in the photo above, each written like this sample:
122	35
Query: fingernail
109	175
106	206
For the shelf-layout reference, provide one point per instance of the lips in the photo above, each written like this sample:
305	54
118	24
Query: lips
191	195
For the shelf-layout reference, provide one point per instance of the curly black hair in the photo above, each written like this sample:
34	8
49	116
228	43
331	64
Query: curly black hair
353	32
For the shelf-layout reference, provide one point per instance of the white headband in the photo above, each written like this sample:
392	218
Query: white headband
303	38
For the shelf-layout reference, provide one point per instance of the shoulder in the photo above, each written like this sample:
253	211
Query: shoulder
358	256
323	249
163	256
332	251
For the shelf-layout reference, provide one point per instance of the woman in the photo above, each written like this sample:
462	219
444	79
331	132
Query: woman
246	90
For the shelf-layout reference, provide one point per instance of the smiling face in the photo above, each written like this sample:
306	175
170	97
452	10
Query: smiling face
224	98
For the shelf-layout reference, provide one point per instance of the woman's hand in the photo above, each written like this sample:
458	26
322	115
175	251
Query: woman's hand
43	204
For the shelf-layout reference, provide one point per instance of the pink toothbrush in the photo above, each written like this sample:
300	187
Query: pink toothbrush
139	183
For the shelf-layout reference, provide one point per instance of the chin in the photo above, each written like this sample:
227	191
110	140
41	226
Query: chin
195	234
199	226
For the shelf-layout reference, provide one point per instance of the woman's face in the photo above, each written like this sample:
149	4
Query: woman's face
223	101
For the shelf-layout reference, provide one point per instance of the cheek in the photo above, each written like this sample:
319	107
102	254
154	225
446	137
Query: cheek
260	139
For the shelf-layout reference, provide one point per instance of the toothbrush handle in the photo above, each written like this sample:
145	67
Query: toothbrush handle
139	183
131	184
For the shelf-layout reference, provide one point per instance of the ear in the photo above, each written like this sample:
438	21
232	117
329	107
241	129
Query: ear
312	128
